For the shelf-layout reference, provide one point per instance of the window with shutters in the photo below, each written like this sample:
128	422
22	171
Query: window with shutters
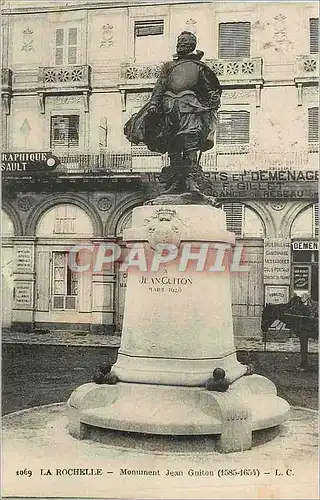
314	35
149	40
65	131
64	283
233	127
234	217
315	220
234	40
313	124
66	46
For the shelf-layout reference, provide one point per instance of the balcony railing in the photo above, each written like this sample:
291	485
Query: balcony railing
58	79
313	147
242	70
307	67
69	77
231	158
233	70
135	71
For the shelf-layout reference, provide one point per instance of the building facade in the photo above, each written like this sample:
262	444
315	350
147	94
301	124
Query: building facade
72	75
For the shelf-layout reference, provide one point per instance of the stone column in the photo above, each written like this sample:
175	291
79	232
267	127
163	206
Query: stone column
177	324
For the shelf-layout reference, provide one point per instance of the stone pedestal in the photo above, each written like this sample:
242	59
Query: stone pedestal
177	329
177	324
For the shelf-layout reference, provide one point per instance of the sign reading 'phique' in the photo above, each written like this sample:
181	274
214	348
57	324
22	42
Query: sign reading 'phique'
25	162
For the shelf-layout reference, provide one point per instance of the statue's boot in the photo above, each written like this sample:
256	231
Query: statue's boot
174	188
193	186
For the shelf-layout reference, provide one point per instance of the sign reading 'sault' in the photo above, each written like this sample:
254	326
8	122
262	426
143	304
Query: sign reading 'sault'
26	162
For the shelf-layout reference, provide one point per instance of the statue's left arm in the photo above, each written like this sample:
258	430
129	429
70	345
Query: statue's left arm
212	87
159	88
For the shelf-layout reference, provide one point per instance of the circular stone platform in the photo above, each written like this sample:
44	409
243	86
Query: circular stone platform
282	463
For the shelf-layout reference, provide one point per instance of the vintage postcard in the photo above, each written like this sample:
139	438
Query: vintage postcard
159	258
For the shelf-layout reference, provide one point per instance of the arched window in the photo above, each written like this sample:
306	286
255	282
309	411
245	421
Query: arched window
243	221
59	287
306	224
67	220
7	228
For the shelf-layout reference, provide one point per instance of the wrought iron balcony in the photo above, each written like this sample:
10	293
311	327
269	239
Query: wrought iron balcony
6	88
63	80
234	158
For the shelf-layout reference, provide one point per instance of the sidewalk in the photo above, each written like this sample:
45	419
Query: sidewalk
68	338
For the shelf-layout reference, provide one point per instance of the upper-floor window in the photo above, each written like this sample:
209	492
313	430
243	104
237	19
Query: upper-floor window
149	40
314	35
233	127
66	46
315	220
234	217
234	40
313	124
65	131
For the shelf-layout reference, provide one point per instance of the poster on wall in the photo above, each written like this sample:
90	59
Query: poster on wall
159	214
276	294
301	278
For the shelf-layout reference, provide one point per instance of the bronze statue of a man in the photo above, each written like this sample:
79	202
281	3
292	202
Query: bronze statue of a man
181	116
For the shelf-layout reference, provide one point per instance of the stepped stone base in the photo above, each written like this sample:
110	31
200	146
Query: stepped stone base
249	404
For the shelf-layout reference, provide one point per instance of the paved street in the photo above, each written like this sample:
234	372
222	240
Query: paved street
69	338
42	374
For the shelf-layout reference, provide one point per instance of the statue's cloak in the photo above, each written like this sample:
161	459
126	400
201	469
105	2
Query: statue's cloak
152	129
148	129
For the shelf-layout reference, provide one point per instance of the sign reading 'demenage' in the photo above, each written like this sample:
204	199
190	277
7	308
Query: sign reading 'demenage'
27	162
270	184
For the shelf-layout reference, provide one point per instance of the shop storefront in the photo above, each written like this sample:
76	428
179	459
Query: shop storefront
305	268
279	238
305	253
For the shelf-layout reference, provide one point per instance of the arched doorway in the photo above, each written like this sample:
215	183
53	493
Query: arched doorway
305	254
63	296
247	287
7	256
